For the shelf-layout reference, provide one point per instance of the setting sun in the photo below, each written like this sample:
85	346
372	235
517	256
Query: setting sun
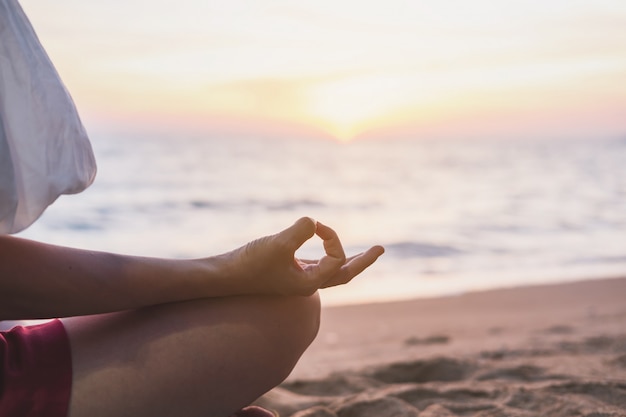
344	70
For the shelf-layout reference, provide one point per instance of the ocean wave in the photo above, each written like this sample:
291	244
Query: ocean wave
607	259
289	205
80	226
409	249
203	204
282	205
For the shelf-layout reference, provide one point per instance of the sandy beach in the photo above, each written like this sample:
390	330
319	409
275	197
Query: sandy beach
553	350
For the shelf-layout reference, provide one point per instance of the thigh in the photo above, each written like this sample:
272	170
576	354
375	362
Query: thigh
197	358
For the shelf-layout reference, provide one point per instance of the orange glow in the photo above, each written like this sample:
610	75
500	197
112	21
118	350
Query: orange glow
343	70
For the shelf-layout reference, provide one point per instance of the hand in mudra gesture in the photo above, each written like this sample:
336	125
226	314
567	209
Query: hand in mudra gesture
269	266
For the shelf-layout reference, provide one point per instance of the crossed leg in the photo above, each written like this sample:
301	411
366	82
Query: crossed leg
204	358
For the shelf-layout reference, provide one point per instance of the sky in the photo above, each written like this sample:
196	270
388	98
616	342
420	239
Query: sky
344	69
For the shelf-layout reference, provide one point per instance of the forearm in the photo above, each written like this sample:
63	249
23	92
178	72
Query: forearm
40	281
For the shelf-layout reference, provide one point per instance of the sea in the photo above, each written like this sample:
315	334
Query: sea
454	215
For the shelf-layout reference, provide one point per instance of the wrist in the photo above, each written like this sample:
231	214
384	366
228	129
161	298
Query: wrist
216	276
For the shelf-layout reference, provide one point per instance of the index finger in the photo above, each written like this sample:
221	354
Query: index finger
332	244
332	261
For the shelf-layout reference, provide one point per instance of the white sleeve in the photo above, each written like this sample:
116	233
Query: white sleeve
44	149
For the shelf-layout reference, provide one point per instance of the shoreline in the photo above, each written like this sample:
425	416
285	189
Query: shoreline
330	300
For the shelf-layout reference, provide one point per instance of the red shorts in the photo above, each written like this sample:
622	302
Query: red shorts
35	371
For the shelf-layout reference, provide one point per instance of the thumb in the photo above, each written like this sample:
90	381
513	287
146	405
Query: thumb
298	233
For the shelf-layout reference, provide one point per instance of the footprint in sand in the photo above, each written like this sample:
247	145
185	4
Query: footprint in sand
367	405
334	385
559	329
596	344
437	369
430	340
522	373
619	361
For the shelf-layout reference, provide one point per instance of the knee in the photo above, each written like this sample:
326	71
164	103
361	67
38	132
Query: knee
304	320
294	329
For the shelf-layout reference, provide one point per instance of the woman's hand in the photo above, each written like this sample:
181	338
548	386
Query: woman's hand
268	265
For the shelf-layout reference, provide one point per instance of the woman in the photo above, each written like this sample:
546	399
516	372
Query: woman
133	336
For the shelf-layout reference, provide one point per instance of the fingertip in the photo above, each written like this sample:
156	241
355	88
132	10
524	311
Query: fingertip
308	219
325	232
375	252
307	222
298	233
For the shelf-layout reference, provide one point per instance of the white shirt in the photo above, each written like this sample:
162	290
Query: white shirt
44	149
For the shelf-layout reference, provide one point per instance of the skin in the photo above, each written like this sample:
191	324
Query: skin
200	337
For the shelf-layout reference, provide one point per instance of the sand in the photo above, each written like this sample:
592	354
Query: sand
553	350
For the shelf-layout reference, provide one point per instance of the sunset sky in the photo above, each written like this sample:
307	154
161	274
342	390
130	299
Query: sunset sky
344	68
